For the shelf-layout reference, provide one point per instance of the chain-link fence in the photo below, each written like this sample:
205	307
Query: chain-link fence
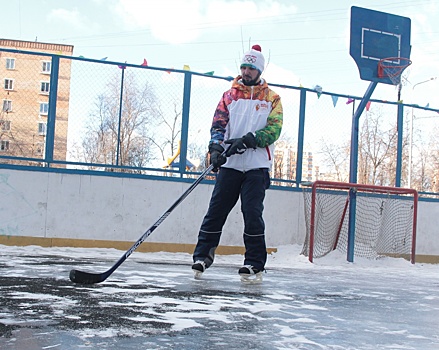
94	115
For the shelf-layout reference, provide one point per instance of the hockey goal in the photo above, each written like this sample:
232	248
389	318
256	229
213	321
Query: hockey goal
382	223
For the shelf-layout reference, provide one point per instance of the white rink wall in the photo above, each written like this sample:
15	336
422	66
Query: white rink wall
88	207
56	205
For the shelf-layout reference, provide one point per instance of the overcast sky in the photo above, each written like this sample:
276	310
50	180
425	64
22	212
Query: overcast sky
304	42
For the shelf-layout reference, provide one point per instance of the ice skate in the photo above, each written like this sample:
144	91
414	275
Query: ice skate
198	267
250	274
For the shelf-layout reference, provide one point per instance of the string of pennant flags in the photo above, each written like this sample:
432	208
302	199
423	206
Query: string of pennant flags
350	100
317	88
145	64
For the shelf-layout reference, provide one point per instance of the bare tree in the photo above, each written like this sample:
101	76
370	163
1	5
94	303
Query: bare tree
423	179
117	136
428	179
377	145
377	150
336	158
172	128
284	163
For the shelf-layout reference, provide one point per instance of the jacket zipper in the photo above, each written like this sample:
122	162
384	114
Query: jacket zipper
243	158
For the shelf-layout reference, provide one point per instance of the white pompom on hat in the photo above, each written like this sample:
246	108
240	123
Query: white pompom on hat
254	59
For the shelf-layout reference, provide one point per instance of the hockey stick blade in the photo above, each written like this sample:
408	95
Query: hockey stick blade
77	276
82	277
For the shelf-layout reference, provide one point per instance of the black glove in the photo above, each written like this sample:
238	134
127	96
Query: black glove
238	146
216	157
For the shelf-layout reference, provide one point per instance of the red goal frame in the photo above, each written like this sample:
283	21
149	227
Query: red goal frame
364	188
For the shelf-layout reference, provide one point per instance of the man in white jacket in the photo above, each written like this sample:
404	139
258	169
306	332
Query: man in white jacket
252	109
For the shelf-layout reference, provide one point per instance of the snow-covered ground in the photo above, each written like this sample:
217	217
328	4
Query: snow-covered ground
152	302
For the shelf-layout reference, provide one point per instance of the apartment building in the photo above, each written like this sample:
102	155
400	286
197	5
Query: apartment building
26	80
285	163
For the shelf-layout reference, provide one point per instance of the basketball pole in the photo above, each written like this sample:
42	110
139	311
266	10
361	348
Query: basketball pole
353	167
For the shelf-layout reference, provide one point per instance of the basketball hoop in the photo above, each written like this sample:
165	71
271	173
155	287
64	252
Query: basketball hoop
392	68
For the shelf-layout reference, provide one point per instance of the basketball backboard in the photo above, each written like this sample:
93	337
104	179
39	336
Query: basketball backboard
377	35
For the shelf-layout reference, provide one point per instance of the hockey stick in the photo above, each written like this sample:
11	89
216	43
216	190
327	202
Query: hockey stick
77	276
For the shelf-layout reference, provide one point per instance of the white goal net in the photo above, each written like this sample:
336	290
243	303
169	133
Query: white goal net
384	220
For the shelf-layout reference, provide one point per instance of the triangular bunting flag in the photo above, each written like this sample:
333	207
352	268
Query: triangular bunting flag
209	73
145	63
318	89
334	100
368	106
350	100
186	67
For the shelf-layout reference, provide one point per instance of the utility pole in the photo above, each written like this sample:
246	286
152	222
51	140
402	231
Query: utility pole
409	182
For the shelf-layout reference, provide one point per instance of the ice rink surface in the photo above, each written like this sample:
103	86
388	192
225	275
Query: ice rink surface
153	302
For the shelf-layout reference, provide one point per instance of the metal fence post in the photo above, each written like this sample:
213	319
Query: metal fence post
185	120
51	116
300	137
120	116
